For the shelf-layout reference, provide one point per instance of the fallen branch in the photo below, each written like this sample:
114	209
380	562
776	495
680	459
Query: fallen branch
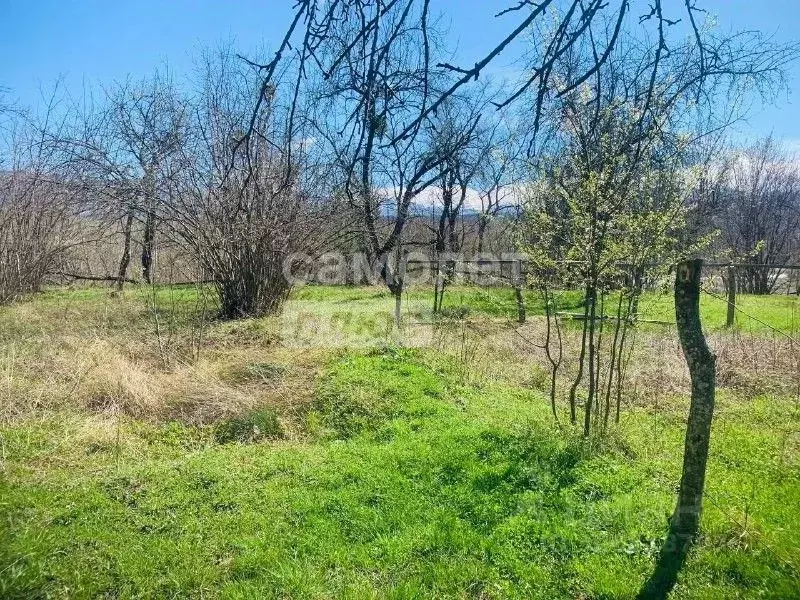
582	317
109	278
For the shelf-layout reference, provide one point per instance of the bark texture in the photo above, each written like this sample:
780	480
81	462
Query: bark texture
125	259
685	522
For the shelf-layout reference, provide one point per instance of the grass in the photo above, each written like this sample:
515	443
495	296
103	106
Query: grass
755	314
399	468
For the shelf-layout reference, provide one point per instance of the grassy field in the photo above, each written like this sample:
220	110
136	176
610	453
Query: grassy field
147	453
754	313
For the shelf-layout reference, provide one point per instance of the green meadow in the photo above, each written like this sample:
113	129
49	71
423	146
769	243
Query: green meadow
150	451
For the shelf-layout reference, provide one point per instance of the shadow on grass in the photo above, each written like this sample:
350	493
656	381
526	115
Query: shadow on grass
669	564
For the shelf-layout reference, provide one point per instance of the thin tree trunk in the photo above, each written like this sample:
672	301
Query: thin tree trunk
612	363
397	284
554	362
398	315
148	242
685	522
519	292
591	344
581	357
442	290
598	384
125	259
437	304
483	220
637	281
619	368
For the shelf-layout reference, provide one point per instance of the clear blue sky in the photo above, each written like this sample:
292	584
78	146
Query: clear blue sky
98	41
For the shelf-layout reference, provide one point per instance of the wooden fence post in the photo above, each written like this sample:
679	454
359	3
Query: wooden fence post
731	316
519	291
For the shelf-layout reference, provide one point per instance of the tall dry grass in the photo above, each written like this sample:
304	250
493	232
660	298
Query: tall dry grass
128	355
748	364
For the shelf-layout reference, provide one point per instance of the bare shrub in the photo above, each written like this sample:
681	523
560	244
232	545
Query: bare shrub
243	204
37	210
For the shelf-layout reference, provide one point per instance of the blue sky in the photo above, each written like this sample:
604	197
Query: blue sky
98	41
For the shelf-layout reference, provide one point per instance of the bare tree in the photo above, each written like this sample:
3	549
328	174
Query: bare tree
457	174
147	122
758	211
376	76
39	204
499	178
121	148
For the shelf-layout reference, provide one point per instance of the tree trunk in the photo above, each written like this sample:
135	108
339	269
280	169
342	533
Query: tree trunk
483	221
579	376
437	305
637	281
518	294
148	241
394	279
555	362
590	393
125	259
702	368
398	315
614	350
685	521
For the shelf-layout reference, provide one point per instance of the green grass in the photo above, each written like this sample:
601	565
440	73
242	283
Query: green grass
255	426
398	478
757	314
411	485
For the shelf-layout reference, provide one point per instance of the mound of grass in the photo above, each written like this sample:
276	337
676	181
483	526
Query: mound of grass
261	372
364	393
457	313
254	426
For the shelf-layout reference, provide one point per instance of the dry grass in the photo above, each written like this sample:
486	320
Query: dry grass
146	355
108	357
747	365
